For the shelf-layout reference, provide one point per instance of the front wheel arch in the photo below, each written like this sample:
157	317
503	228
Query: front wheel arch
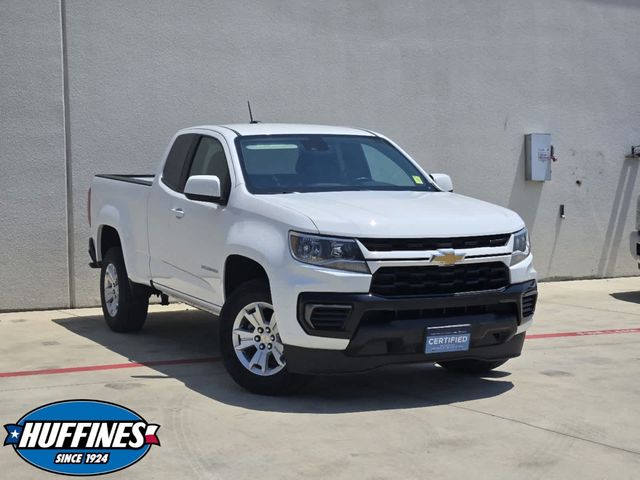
238	270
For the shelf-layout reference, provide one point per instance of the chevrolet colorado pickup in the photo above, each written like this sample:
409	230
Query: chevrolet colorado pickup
322	249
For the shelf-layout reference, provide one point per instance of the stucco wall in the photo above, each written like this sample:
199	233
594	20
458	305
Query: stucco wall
33	226
458	84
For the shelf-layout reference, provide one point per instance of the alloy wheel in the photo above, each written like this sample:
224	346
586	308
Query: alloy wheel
256	339
111	289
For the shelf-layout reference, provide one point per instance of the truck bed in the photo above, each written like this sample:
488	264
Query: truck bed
143	179
120	201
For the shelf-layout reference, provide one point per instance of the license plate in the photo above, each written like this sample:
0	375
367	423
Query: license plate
450	338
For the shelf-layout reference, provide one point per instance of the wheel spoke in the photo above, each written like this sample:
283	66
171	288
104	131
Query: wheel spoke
277	353
259	359
244	339
259	314
251	318
254	359
277	348
244	335
262	361
273	325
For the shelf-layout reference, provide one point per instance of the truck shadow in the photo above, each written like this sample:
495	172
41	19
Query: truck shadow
633	296
192	335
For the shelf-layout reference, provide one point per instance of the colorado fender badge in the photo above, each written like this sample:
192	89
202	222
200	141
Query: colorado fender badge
81	437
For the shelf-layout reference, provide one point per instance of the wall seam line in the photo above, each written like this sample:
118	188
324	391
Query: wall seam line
67	159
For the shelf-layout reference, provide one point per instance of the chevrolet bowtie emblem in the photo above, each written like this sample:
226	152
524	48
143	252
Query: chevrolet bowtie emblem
446	257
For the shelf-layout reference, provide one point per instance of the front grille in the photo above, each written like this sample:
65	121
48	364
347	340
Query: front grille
431	280
327	317
413	244
528	305
385	316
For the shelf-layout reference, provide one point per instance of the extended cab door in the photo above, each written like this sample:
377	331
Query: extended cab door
186	237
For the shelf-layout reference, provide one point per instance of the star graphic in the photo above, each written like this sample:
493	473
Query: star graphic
15	434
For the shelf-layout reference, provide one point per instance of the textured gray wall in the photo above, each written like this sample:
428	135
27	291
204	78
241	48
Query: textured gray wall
33	226
457	83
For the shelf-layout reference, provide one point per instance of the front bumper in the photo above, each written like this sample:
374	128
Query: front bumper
383	330
314	361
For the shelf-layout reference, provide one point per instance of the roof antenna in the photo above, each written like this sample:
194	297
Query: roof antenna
251	114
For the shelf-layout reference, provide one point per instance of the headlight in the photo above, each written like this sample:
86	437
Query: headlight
521	246
338	253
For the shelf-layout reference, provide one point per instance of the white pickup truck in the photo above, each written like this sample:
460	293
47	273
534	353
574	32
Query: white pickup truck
322	249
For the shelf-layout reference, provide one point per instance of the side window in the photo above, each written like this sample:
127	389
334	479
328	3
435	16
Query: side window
210	160
181	150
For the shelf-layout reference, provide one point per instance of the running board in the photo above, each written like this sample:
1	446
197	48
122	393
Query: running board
188	299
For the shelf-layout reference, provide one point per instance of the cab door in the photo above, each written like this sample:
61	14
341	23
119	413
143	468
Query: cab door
196	229
163	210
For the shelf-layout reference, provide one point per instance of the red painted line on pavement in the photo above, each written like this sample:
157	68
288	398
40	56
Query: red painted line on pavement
183	361
583	334
113	366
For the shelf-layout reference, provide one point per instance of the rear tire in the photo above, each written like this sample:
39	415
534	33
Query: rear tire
250	343
124	303
473	367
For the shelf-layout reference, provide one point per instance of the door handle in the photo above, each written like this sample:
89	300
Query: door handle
179	213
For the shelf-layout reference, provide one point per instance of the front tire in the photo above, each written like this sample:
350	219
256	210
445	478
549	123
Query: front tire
473	367
250	343
124	303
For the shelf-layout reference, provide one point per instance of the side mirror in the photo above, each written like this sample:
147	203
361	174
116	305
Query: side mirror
443	181
203	188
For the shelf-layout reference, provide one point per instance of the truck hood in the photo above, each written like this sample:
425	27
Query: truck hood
399	214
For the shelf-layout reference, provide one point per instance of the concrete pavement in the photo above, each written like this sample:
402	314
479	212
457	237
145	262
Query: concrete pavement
568	408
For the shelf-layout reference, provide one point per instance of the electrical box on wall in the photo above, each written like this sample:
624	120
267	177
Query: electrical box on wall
538	157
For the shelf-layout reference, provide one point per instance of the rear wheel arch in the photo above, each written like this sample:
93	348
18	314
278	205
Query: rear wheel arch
108	237
239	269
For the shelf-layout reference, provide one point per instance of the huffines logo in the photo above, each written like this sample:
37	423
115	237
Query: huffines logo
81	437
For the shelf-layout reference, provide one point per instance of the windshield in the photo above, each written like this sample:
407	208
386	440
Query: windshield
324	163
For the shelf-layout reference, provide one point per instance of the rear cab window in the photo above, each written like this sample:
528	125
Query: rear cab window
177	159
